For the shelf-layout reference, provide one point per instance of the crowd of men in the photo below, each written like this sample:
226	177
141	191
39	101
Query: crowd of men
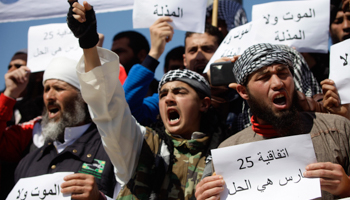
134	137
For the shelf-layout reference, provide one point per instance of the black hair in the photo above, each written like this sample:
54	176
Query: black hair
137	41
211	30
174	54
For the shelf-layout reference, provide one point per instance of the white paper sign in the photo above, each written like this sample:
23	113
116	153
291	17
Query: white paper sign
300	24
236	41
185	14
270	169
48	41
340	69
46	187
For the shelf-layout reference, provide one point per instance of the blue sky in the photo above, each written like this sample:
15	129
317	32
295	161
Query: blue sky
13	35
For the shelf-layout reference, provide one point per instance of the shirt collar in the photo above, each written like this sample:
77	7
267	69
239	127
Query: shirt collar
71	134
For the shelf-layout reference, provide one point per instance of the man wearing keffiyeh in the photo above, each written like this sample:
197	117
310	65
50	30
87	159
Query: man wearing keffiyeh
265	80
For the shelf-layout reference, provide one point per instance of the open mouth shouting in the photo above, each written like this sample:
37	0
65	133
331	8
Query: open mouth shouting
173	116
53	110
280	101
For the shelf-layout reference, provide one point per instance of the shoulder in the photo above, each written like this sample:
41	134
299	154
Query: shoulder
245	136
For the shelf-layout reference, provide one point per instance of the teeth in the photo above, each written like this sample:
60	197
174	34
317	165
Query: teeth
174	119
279	96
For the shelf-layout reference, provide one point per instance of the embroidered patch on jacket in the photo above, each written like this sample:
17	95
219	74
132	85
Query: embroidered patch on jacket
95	168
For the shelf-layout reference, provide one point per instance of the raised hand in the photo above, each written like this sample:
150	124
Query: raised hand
81	20
16	81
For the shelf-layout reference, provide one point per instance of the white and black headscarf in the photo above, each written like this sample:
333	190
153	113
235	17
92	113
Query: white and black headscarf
193	79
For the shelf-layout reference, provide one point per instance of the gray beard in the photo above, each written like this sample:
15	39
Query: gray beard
74	115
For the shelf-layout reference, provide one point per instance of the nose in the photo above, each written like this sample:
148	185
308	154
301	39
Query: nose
49	95
346	22
169	99
200	55
276	82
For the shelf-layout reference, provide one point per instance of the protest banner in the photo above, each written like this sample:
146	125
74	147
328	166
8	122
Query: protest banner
24	10
269	169
46	187
300	24
48	41
184	13
339	69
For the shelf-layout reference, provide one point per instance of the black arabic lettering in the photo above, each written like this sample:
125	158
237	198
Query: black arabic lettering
288	18
287	179
240	188
345	59
269	182
35	194
267	19
179	11
276	20
39	52
300	176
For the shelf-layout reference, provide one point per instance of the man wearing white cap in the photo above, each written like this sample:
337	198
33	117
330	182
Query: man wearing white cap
68	140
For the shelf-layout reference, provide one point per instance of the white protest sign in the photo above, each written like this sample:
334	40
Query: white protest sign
236	41
269	169
48	41
300	24
46	187
339	70
186	15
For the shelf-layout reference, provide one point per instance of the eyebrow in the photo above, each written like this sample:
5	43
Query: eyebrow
172	89
266	71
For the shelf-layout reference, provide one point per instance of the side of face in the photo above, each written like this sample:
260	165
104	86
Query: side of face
199	48
126	55
272	86
58	95
181	108
16	62
340	27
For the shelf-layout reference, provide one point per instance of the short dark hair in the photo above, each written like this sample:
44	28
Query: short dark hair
174	54
211	30
137	41
336	5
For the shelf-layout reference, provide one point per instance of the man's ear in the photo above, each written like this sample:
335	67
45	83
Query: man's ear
184	59
205	104
142	55
242	90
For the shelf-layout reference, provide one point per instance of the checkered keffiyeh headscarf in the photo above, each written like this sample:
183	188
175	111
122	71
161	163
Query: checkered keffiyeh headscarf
259	56
195	80
231	11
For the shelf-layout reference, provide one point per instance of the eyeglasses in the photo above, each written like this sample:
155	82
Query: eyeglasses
16	65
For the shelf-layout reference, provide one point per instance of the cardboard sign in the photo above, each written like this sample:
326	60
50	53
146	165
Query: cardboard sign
185	14
48	41
269	169
300	24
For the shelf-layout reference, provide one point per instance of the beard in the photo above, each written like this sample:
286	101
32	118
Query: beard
75	113
285	122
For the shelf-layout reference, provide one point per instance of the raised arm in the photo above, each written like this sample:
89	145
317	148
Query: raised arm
98	73
15	139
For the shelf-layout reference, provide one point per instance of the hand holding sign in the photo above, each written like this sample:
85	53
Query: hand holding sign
333	177
331	99
161	32
210	187
81	186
